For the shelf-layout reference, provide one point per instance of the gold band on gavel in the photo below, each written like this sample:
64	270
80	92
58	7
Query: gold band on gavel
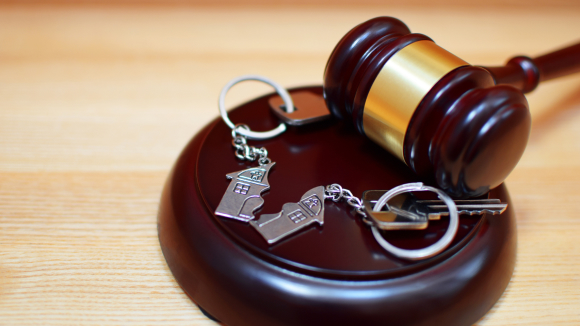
399	88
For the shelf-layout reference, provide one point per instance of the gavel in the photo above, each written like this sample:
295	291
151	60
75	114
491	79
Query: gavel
461	126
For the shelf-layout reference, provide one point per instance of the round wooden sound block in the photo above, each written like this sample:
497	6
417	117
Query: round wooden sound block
335	274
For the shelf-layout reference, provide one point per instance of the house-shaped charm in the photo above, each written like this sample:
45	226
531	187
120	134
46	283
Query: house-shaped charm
293	217
243	195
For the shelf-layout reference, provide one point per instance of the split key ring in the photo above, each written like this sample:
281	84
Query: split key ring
427	252
246	132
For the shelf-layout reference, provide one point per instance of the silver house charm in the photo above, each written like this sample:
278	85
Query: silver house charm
293	217
243	195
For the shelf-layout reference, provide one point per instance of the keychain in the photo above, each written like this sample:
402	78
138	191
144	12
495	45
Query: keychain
394	209
243	195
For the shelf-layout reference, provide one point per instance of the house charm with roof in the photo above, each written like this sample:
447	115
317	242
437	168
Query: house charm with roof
243	195
293	217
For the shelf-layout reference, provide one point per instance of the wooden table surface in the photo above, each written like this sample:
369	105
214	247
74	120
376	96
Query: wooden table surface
97	101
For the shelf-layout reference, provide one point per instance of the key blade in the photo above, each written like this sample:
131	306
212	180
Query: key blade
437	208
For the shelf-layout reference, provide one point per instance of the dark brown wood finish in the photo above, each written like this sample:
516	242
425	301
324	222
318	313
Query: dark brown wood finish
356	61
468	133
525	73
331	275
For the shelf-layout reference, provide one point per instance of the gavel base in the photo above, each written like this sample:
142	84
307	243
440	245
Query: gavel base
335	274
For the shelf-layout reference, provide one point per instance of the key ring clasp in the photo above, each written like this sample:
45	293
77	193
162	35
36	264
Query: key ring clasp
427	252
246	131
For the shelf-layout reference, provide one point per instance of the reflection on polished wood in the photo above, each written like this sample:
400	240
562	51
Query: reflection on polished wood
96	102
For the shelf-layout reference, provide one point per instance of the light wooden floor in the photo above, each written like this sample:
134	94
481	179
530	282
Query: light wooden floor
96	103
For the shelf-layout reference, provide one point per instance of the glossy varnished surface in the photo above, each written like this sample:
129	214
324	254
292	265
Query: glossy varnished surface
476	131
340	264
526	73
97	102
321	154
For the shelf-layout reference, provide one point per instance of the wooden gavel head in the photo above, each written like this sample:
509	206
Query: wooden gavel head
447	120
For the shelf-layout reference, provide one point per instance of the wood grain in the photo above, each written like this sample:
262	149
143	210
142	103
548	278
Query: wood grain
96	103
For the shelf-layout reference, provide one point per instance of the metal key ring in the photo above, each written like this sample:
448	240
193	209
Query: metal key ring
247	132
427	252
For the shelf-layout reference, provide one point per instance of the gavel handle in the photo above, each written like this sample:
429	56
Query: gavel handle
525	73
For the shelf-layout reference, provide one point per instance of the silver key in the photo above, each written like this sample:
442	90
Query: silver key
406	212
436	208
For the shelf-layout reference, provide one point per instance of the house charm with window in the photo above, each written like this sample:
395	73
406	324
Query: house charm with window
243	195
